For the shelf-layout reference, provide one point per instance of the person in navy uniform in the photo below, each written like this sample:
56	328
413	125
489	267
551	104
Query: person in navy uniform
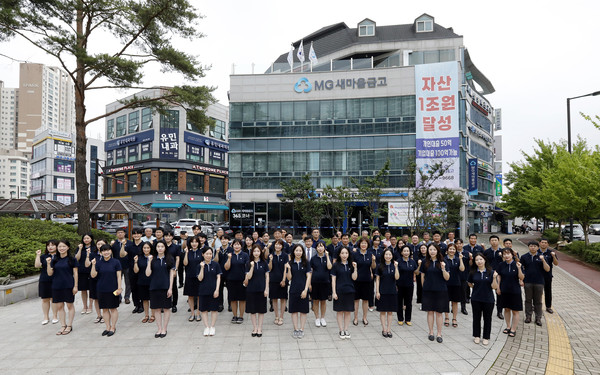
363	286
257	289
320	286
298	272
236	273
343	274
45	281
483	283
87	242
119	249
248	243
175	250
221	257
434	276
455	265
464	285
494	257
407	269
278	282
140	262
133	249
334	246
552	260
108	272
437	240
420	257
94	253
64	272
535	268
508	276
209	276
386	292
160	270
191	261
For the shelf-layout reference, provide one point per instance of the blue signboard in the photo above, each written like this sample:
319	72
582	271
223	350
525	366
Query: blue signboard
169	143
203	141
472	176
130	140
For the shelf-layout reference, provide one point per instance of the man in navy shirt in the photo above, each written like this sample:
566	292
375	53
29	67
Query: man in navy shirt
426	239
118	249
134	248
437	240
552	260
494	257
534	268
333	247
175	251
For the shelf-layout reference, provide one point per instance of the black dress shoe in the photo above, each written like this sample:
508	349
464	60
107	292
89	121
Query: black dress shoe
220	308
259	335
538	322
110	333
157	335
163	335
549	310
464	311
254	334
174	309
105	332
528	319
500	315
135	310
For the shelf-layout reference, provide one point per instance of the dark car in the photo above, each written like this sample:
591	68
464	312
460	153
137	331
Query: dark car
113	225
594	229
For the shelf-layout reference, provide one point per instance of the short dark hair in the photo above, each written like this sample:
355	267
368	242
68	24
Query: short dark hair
436	232
196	226
159	229
544	239
120	230
507	240
458	240
494	236
137	230
168	233
472	235
533	243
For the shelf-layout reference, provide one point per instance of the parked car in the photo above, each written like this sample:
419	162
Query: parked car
187	224
152	224
565	232
594	229
111	226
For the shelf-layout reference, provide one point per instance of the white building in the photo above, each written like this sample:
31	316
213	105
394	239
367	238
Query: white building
14	174
8	116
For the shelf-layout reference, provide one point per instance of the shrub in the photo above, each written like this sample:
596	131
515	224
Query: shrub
552	234
20	238
589	254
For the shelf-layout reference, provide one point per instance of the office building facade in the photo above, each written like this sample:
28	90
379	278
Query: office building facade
364	101
163	161
14	174
9	101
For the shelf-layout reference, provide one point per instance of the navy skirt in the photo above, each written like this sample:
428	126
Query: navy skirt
208	303
363	290
454	292
63	295
320	291
256	303
345	302
159	300
93	288
191	287
83	281
45	289
297	304
143	292
107	300
511	301
387	303
236	290
276	291
435	301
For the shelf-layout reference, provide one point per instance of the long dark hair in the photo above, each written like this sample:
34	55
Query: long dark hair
382	261
339	258
92	243
53	242
438	257
474	267
293	256
168	258
261	256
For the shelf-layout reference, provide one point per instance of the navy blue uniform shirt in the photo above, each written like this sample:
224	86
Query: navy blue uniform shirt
363	262
107	275
277	267
223	258
434	279
63	272
208	285
466	259
387	278
142	264
116	253
473	249
237	267
533	268
161	273
482	286
509	277
343	277
44	270
453	267
548	256
81	267
407	271
318	265
193	261
299	276
132	250
258	281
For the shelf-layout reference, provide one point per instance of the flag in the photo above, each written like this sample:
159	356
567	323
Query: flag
290	58
300	52
312	56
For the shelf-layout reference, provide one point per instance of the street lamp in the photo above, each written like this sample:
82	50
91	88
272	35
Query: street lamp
569	142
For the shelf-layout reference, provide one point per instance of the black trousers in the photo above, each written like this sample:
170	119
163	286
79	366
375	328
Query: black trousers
485	309
221	288
465	293
548	292
180	274
135	296
174	291
405	295
419	290
372	299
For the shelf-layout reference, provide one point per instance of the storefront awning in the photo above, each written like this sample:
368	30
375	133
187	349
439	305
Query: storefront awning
205	206
166	205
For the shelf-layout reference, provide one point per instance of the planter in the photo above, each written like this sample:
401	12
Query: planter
19	290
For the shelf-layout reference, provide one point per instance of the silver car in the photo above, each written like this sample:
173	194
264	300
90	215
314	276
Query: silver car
187	224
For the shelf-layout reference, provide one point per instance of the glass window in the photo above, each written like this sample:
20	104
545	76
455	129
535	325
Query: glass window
64	183
312	110
248	163
64	166
194	153
300	161
299	110
235	162
273	162
167	181
216	185
120	155
236	110
424	26
326	160
446	55
146	181
146	151
217	130
262	112
408	106
394	106
287	161
366	30
133	180
287	111
380	107
194	182
313	161
110	129
248	115
430	57
134	122
109	158
326	109
415	58
366	108
120	184
339	161
132	153
274	111
353	108
121	126
260	162
216	158
339	109
146	118
170	119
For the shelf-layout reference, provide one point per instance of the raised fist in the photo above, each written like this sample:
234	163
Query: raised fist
48	260
373	257
229	255
271	257
395	264
354	265
38	252
519	264
460	255
80	246
88	251
443	264
150	258
541	257
252	264
135	258
420	261
202	264
94	262
495	274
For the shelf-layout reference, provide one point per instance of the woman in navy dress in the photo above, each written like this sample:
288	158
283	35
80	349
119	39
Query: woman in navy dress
419	257
363	285
140	262
320	286
434	276
161	271
93	292
278	284
257	289
209	278
191	261
343	274
482	299
45	281
508	274
63	270
298	272
407	267
108	273
455	266
386	293
236	274
248	243
87	243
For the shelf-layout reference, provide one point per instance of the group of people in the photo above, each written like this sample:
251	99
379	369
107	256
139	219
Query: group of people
367	272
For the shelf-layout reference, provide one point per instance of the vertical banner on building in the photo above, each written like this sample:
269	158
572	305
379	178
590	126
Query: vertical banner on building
169	143
472	177
499	184
398	214
437	87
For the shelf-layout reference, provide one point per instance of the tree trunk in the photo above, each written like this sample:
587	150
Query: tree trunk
81	183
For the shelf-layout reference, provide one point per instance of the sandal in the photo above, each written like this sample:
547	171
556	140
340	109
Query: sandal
454	323
67	330
61	331
98	320
355	322
506	331
276	321
365	322
447	322
511	334
145	320
191	318
151	319
280	321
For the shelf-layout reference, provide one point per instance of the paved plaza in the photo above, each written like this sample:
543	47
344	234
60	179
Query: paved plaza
565	344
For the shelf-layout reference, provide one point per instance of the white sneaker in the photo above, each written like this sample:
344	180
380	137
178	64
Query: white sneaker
54	321
211	332
342	335
371	309
347	334
44	322
206	331
323	322
318	322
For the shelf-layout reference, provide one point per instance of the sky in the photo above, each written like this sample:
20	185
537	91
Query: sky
536	54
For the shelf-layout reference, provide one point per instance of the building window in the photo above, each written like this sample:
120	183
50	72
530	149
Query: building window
146	118
216	158
119	183
167	181
134	122
146	151
424	26
63	183
194	153
218	130
120	155
195	182
38	151
216	185
366	28
65	199
146	181
121	126
109	158
132	153
170	119
64	166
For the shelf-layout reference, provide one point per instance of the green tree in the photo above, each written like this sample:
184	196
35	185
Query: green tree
302	193
370	190
449	206
335	202
105	44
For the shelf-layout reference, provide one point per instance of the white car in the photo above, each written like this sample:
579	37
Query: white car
187	224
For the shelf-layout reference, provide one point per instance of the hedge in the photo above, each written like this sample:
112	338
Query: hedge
552	234
20	238
589	254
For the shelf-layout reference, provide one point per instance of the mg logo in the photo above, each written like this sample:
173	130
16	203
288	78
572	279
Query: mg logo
303	85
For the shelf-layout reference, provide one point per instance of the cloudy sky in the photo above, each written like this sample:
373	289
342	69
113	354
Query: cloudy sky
535	54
